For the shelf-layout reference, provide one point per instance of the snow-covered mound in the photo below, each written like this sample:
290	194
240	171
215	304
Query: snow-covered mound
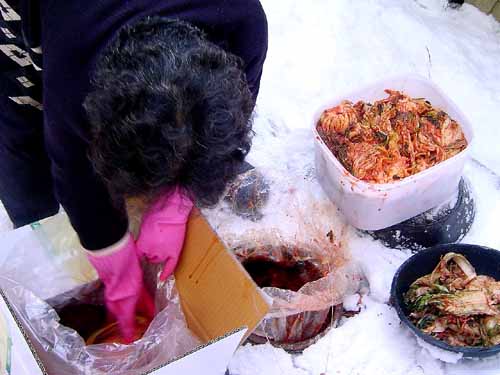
320	49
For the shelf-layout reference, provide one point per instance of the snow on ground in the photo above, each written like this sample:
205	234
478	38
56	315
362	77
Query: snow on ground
318	50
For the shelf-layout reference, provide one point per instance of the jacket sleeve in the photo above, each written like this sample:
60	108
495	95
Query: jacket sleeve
98	220
68	55
250	42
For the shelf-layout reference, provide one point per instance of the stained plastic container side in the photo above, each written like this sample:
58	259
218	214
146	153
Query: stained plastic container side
370	206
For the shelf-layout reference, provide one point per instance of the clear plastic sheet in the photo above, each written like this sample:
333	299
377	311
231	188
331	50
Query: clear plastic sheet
318	262
57	276
300	225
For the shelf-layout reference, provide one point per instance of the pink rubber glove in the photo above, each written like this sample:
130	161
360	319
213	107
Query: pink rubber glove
163	229
119	269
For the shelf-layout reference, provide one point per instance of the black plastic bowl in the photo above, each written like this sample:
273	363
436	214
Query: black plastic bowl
486	261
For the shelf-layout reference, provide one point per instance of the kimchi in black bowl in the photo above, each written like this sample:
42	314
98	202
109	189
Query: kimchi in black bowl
485	261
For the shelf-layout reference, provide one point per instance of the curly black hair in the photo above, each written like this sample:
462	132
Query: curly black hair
168	108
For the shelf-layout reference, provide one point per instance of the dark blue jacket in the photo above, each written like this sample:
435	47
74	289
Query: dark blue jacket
71	34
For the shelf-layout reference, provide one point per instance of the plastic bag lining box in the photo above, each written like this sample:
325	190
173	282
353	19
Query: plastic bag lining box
221	303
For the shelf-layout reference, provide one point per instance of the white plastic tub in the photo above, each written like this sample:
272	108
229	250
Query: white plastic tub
371	206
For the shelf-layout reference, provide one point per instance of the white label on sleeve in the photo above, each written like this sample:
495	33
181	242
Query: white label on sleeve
25	81
7	33
26	100
8	14
16	54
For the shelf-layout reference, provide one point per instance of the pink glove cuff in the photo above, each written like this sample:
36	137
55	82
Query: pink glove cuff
173	208
119	269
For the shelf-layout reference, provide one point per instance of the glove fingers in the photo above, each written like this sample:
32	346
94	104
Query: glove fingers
168	268
124	313
146	305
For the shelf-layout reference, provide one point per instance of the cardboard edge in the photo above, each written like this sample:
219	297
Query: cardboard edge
194	350
188	315
198	214
23	332
266	298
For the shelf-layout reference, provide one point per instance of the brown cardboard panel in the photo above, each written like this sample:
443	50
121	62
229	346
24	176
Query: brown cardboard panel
217	294
496	11
483	5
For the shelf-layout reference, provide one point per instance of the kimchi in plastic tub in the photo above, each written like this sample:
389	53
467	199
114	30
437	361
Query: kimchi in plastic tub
373	206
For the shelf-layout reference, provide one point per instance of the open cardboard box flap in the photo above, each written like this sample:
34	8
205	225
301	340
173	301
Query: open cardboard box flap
217	295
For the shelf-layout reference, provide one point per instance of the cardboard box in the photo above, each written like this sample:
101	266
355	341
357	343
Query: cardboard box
496	11
222	306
